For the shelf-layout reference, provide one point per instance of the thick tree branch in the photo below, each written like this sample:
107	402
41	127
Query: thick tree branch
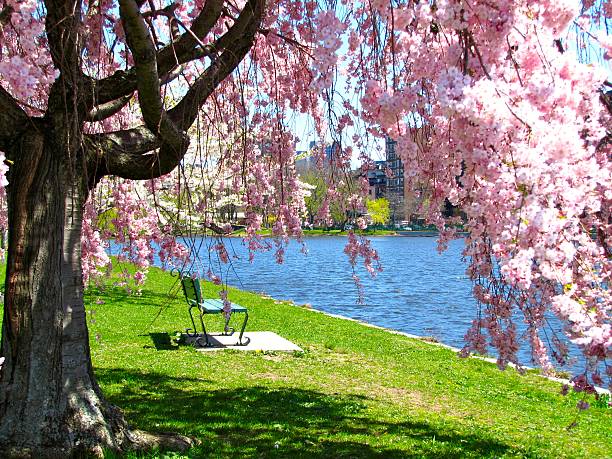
101	112
5	14
152	165
132	154
137	141
114	152
144	52
13	120
237	43
180	51
62	24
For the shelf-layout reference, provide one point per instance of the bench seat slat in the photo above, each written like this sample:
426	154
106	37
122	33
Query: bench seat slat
215	306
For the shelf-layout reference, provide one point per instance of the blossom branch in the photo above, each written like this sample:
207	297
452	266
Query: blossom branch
168	58
149	89
133	153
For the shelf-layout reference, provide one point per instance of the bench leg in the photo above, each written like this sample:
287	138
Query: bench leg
227	330
207	340
195	329
198	339
244	323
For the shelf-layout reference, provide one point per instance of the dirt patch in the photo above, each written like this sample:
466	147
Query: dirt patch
403	395
271	376
274	357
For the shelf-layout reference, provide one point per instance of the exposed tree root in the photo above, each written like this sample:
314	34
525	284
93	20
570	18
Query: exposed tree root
133	440
144	441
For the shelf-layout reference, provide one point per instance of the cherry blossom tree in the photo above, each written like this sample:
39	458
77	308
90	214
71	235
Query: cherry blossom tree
497	106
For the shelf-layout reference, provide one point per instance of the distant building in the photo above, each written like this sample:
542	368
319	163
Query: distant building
306	159
377	179
332	151
395	192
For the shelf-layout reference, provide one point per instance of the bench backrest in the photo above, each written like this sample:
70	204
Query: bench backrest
191	289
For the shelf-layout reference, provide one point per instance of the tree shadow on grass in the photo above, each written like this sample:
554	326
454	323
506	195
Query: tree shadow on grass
281	422
162	342
119	295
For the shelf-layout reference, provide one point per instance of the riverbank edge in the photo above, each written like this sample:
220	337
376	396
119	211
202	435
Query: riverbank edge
334	233
323	233
426	340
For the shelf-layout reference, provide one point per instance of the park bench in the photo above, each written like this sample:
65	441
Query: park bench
193	295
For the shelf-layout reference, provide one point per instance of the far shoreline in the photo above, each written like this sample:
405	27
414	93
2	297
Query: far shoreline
332	233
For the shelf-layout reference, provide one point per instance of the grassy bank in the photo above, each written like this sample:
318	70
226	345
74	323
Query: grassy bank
355	391
324	232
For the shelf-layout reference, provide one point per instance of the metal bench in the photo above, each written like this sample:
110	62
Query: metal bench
193	295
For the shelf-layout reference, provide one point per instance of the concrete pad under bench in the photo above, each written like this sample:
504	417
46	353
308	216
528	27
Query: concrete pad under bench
260	341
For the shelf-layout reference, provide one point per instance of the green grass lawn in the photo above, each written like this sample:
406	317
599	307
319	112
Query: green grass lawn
355	391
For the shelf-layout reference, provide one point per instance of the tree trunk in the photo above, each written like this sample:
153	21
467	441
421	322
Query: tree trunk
50	403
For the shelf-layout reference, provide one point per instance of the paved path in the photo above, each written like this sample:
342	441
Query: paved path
260	341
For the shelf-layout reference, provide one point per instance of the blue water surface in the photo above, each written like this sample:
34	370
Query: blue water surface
419	291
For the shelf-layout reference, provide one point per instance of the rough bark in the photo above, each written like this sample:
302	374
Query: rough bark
50	404
12	119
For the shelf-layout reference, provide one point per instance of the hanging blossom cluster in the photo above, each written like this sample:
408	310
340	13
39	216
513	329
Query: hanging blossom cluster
329	30
26	69
133	227
493	111
360	247
93	247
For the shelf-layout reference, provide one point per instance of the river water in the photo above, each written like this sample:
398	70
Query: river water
419	291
